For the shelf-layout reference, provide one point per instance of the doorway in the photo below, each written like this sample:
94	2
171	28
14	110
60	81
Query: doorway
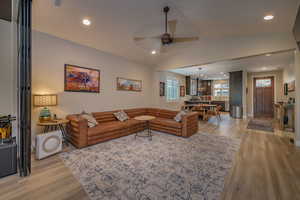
263	91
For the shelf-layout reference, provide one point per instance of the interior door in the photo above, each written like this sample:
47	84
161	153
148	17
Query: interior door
263	97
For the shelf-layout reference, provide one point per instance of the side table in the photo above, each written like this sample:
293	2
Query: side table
55	125
146	118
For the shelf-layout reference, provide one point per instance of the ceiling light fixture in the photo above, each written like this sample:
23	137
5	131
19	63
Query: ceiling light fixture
268	17
264	68
153	52
268	54
86	22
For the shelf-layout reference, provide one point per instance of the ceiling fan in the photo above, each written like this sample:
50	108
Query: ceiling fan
57	3
169	38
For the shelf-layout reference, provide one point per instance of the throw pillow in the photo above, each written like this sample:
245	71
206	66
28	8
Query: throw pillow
179	116
92	122
121	116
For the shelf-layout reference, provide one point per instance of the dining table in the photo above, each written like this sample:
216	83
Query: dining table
205	106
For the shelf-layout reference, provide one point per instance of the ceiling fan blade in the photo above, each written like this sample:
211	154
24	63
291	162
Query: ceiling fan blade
172	26
185	39
139	38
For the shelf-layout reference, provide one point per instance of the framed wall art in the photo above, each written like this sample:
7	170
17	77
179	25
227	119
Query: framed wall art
182	91
126	84
162	89
291	86
81	79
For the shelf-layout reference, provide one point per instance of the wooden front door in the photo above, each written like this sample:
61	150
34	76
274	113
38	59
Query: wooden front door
263	88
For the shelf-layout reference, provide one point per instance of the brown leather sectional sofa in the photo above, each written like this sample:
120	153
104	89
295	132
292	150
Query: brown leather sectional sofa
109	127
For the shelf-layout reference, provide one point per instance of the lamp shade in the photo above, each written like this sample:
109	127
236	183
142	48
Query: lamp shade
45	100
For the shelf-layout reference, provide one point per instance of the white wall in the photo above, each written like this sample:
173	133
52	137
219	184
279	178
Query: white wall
51	53
7	69
289	76
161	102
297	96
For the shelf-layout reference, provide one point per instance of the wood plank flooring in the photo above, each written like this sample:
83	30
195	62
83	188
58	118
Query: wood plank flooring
266	167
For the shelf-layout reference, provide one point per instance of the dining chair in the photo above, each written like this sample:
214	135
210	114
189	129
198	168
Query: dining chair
201	112
216	112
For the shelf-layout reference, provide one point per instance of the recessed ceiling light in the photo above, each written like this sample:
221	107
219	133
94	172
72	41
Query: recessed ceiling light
86	22
268	17
153	52
268	54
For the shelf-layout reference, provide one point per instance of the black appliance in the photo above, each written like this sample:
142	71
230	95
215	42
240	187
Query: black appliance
8	157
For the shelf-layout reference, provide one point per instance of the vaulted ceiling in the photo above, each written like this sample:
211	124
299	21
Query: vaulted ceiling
231	23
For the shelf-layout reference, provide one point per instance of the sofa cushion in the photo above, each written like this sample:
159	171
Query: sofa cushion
169	114
152	112
135	112
106	127
166	122
133	122
104	117
121	116
92	122
180	115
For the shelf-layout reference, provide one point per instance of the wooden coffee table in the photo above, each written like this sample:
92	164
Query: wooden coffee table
147	119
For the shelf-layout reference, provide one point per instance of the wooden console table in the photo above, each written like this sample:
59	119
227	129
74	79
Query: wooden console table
282	110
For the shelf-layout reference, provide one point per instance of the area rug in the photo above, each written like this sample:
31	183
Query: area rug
168	167
261	124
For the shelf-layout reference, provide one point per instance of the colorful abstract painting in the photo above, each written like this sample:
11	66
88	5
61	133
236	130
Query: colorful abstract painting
129	84
81	79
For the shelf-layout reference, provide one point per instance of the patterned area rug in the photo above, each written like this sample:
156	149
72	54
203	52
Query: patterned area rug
168	167
261	124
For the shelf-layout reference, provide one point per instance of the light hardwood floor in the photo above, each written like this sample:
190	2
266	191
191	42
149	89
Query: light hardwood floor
266	167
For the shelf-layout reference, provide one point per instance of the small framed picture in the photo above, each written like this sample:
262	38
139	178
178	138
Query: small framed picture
182	91
291	86
129	84
161	89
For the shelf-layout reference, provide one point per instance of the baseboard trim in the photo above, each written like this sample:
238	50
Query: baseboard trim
297	143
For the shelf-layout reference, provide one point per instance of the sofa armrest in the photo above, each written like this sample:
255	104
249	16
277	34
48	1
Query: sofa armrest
189	124
77	129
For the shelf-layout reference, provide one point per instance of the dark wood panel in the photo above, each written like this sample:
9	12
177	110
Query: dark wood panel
188	85
205	87
235	89
6	10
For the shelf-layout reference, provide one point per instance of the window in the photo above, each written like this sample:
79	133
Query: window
172	89
221	89
263	83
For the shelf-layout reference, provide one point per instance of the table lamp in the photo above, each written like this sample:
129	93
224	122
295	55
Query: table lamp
44	101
